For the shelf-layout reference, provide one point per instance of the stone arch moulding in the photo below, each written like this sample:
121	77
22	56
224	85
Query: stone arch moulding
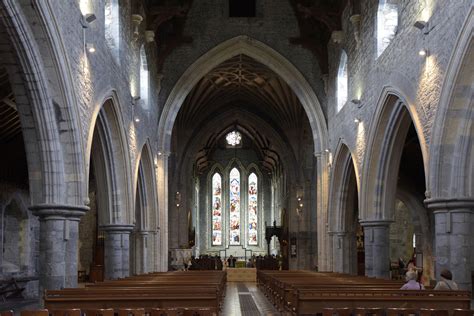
452	131
261	53
343	162
148	172
107	118
292	76
339	192
33	99
387	132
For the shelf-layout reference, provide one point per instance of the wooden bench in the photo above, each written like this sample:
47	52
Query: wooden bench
202	292
305	292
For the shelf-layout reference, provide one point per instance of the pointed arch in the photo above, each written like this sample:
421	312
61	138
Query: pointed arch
386	137
344	211
261	53
292	76
450	174
108	151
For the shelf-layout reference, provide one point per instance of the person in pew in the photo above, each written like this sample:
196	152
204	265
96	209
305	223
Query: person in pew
249	264
412	284
446	283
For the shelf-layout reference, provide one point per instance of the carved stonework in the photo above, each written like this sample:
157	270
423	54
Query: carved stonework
355	20
136	21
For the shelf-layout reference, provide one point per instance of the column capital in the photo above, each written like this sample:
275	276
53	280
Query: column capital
59	211
117	228
444	203
375	222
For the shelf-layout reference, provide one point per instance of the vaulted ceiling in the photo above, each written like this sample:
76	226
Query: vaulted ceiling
244	82
243	88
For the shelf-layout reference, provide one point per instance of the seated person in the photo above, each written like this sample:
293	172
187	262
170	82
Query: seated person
411	282
446	283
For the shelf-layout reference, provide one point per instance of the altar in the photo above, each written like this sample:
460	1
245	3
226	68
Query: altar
241	274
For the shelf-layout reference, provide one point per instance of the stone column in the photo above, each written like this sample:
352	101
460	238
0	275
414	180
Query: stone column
340	255
322	211
377	248
156	250
143	241
58	244
72	253
162	184
454	237
117	250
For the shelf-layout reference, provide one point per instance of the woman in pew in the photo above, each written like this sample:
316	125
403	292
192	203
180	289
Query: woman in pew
446	283
412	284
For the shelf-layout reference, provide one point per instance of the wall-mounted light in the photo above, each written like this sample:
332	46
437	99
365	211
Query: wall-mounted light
356	102
159	153
137	120
87	19
357	120
423	26
423	52
90	48
326	150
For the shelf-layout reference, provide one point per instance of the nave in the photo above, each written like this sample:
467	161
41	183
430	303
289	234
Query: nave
246	299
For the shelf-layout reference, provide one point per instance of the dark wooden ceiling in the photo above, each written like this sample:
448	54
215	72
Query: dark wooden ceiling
317	19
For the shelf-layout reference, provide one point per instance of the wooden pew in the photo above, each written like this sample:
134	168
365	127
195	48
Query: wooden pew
195	291
304	292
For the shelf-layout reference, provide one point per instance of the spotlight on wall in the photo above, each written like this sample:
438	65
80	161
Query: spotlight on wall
137	120
357	120
326	150
87	19
423	52
159	153
90	47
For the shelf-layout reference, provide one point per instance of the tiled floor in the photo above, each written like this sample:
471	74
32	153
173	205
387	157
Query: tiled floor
247	300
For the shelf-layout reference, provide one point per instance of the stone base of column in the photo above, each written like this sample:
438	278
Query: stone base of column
117	250
58	244
454	238
377	248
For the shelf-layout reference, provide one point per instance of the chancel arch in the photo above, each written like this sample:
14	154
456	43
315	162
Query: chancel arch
262	54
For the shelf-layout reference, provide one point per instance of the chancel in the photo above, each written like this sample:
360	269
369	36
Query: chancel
227	157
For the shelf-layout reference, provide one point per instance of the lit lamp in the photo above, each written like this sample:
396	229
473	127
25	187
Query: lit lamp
357	120
90	48
423	52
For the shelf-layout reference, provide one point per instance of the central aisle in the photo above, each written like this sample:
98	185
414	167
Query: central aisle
244	298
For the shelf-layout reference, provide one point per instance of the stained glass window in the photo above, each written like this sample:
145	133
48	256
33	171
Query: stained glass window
216	210
253	209
234	218
233	138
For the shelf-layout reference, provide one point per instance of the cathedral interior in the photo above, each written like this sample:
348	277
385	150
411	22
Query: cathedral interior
331	135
